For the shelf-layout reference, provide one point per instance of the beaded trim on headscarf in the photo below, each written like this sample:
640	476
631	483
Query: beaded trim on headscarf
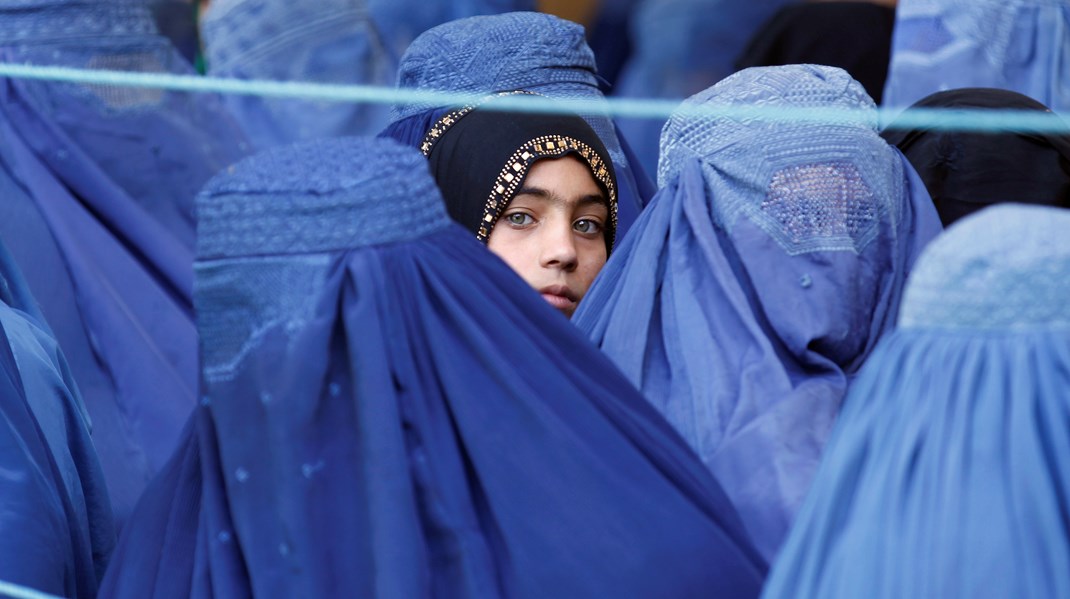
443	124
515	169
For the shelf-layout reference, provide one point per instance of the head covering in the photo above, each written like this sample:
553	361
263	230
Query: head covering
98	185
1008	44
679	48
515	51
965	172
326	41
946	475
760	278
855	36
481	156
355	42
390	411
56	517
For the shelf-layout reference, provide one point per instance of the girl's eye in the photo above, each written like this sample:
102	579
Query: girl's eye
587	226
519	219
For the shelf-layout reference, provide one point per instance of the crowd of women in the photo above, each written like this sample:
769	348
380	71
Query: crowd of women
253	346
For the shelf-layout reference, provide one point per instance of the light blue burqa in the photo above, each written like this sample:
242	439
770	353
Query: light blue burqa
1019	45
759	279
948	472
354	42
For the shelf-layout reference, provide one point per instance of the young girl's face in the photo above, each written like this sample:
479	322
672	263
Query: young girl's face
553	231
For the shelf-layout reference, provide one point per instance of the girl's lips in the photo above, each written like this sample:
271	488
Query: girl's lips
559	301
559	296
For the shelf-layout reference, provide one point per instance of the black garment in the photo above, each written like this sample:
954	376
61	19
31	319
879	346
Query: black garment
480	157
855	36
965	172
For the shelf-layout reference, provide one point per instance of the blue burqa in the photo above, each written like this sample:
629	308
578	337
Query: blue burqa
947	473
354	42
515	51
389	411
98	185
759	279
1019	45
55	524
679	48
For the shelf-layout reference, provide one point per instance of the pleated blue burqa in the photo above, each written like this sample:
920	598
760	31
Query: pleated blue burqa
526	51
759	279
1019	45
98	185
947	473
56	530
389	411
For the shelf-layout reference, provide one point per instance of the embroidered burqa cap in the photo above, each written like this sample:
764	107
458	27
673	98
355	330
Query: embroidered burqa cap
98	211
390	411
758	281
946	474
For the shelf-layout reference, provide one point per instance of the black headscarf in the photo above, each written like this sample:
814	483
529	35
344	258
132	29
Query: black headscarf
855	36
480	158
965	172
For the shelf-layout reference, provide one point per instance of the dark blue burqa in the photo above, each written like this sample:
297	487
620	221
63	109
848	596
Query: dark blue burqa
514	51
55	522
98	185
389	411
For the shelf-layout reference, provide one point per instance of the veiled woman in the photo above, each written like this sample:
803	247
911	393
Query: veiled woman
760	278
389	411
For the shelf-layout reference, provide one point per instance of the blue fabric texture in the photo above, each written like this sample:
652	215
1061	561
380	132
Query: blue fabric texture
56	518
355	42
98	186
528	51
1019	45
947	473
679	48
389	411
759	279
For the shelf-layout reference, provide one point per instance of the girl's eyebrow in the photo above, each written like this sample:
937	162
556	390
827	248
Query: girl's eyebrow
546	195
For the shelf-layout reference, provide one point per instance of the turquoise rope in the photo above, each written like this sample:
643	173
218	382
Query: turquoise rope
8	589
972	120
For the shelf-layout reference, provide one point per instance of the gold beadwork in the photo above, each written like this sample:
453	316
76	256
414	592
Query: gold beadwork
546	146
450	118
